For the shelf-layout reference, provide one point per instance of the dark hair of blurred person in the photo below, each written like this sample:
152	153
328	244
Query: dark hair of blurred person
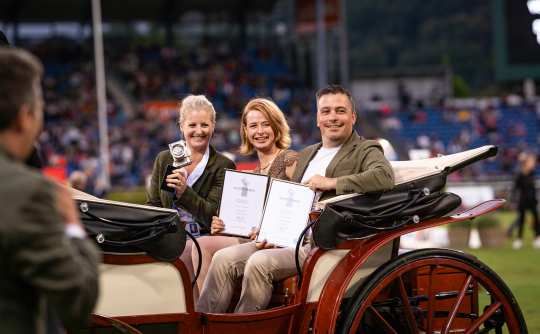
49	270
34	159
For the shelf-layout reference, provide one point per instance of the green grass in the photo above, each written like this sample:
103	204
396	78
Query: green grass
520	270
137	196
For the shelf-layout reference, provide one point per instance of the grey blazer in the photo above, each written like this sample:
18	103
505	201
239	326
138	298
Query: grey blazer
40	266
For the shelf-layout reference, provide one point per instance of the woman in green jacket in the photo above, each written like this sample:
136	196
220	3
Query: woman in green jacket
197	187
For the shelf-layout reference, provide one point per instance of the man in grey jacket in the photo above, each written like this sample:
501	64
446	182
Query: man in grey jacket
48	276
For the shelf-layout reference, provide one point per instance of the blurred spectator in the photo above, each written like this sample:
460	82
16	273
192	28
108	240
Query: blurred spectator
78	180
524	189
153	75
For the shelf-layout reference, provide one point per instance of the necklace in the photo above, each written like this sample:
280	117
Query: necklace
270	163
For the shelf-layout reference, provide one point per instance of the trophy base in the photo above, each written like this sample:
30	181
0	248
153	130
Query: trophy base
164	186
170	168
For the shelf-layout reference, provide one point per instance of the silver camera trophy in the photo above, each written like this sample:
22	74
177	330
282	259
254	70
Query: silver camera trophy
181	157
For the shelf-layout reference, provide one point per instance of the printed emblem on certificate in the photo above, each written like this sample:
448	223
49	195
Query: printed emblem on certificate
242	202
286	212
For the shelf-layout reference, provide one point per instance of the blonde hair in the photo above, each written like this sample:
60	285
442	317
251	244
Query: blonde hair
277	120
195	103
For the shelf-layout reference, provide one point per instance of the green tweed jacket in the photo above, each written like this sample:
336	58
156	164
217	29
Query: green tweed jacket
359	166
40	267
202	200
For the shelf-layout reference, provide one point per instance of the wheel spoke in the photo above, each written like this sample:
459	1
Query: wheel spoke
387	327
451	317
440	292
407	306
431	301
487	314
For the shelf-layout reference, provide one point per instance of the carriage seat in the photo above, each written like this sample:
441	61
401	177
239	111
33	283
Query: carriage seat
135	284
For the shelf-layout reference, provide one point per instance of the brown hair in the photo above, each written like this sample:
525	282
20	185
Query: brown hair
278	123
336	89
19	72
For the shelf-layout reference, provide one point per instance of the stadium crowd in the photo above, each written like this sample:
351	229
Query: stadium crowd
154	78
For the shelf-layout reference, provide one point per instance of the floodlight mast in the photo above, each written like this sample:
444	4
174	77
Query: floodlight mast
104	156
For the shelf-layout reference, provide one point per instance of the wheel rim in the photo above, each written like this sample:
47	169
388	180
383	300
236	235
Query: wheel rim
430	307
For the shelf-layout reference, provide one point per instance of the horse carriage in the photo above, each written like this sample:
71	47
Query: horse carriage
356	281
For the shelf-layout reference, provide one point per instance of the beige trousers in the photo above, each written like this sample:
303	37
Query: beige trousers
209	245
259	268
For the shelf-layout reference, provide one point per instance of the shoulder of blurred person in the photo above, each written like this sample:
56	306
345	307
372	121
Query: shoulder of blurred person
49	270
40	260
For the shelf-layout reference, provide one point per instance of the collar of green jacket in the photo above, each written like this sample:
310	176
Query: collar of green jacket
309	152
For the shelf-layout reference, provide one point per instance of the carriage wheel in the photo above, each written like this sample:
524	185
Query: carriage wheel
433	291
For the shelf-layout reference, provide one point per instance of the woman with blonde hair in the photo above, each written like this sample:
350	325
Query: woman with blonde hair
264	130
197	187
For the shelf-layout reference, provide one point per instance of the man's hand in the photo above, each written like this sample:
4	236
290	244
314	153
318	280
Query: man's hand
321	183
177	180
66	206
217	225
264	245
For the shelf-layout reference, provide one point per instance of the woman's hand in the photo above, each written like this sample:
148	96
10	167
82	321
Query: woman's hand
217	225
177	180
259	244
254	233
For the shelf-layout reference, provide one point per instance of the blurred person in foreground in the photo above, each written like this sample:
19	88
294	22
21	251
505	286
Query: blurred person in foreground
49	278
263	129
525	190
349	163
197	187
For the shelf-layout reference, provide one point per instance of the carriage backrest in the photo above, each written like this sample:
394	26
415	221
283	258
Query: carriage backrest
410	170
141	287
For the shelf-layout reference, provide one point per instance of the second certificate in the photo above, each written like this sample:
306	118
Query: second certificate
286	212
242	202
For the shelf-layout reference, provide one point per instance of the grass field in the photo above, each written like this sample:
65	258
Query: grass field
520	269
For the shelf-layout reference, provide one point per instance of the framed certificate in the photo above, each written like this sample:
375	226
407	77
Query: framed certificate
286	212
242	202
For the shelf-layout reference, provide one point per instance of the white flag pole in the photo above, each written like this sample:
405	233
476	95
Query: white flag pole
100	92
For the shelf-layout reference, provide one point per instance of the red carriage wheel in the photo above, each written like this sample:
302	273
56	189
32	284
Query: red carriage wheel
433	291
